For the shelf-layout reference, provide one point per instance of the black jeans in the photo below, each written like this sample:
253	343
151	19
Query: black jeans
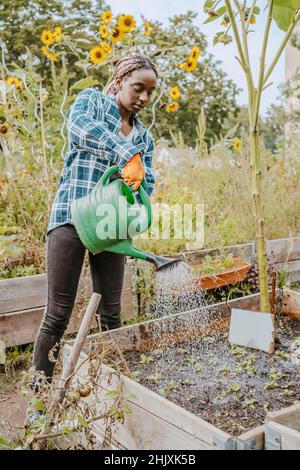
65	255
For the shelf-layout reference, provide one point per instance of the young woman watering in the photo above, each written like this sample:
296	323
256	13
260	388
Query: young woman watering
103	130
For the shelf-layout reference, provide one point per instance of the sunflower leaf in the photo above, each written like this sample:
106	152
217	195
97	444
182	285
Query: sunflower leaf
216	14
84	83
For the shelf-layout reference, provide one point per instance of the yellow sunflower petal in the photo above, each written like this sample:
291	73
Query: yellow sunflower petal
107	16
172	107
103	31
127	23
174	93
97	55
49	54
116	35
47	37
196	51
106	47
147	28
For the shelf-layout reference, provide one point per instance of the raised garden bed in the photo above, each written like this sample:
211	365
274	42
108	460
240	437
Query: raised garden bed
218	398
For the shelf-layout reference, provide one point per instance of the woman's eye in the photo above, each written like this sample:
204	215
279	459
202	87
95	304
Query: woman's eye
138	89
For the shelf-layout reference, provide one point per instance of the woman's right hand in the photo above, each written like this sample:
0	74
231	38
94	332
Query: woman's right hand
133	172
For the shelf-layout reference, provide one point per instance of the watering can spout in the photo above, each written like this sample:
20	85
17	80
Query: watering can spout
162	263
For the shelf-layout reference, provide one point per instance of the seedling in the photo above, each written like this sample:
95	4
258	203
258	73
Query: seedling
198	368
271	385
235	388
250	403
154	378
189	382
191	360
146	359
237	350
182	351
224	370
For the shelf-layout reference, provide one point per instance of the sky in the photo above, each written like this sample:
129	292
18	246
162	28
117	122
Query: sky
161	10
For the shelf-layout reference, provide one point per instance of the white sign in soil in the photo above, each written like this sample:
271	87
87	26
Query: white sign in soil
251	329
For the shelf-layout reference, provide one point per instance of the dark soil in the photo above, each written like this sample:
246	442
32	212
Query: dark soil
228	386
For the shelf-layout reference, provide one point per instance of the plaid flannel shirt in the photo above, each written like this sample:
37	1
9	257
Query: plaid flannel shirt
93	124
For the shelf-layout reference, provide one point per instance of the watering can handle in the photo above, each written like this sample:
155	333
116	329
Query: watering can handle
141	191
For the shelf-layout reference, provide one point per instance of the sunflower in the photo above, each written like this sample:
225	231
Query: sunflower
147	28
49	54
237	144
172	107
127	23
116	35
252	20
106	48
107	16
47	37
195	53
174	93
16	81
103	31
97	55
57	34
190	65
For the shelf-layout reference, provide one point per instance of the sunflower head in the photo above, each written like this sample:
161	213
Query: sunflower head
107	16
116	35
174	93
252	20
195	53
127	23
237	144
147	28
97	55
47	37
172	107
15	81
106	47
103	31
49	54
57	34
190	65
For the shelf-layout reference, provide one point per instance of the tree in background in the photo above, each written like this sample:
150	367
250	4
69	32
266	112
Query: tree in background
201	83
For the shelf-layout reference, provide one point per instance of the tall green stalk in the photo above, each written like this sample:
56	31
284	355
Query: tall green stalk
254	100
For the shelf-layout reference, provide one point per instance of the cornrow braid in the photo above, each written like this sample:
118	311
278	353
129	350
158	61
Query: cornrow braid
125	66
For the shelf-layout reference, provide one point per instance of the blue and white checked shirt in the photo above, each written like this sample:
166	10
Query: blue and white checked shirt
94	123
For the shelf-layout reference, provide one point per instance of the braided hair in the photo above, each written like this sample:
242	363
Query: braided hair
124	67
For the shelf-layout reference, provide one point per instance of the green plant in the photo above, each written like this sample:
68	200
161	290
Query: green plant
286	15
144	359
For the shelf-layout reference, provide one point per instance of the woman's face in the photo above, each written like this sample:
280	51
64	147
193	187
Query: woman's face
136	89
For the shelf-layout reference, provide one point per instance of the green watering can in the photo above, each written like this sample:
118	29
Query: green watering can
109	216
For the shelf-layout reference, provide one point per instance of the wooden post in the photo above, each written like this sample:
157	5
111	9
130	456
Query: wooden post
75	353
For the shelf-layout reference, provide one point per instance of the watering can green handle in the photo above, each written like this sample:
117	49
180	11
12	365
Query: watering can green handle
142	193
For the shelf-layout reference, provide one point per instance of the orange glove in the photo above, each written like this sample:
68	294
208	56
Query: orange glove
133	172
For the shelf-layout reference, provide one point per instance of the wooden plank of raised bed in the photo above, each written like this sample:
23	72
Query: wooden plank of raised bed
29	292
292	269
282	429
190	323
21	327
279	251
252	440
291	303
283	250
155	422
286	438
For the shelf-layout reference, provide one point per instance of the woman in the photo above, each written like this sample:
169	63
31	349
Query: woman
103	130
